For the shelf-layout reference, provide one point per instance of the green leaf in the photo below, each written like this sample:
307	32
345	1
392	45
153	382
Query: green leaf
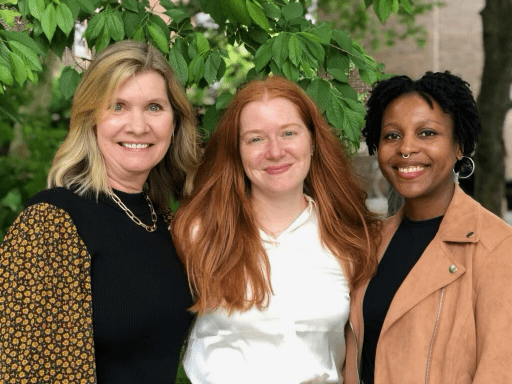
323	31
23	39
406	6
263	55
131	22
68	81
64	18
5	75
312	42
295	47
223	100
139	34
95	26
131	5
19	69
177	15
382	9
103	41
36	8
395	6
115	25
167	4
196	69
211	66
343	39
257	15
236	11
48	22
320	91
215	10
292	11
368	75
159	38
8	16
201	43
26	53
74	7
280	48
178	63
290	71
87	6
335	114
271	10
210	119
356	106
354	121
12	200
338	65
345	90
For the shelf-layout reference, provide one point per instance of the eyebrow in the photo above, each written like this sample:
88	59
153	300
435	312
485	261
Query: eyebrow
150	101
393	123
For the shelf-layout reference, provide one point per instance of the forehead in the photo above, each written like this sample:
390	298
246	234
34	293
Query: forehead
414	107
269	113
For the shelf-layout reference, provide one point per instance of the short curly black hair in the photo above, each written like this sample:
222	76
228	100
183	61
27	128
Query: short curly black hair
449	91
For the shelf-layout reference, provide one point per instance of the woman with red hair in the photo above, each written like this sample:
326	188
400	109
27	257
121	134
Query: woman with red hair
273	237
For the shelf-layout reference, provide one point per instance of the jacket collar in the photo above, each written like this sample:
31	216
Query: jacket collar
460	223
435	268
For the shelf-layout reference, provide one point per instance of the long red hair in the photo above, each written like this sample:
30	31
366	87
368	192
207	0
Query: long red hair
215	231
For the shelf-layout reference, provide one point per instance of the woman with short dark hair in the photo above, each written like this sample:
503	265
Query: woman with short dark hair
439	308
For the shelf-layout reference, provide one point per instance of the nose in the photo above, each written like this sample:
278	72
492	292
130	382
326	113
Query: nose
275	150
138	123
408	145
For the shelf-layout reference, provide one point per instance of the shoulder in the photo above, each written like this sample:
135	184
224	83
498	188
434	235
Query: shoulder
59	197
493	230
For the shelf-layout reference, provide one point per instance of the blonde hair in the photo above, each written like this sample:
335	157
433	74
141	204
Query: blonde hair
79	162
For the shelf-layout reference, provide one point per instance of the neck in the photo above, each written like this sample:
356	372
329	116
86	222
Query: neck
424	209
133	186
275	214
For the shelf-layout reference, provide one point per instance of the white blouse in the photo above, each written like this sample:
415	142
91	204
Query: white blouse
298	338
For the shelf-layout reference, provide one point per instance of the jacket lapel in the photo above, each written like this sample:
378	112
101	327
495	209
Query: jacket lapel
434	269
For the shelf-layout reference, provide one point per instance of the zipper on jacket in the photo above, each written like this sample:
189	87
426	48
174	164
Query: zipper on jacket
357	351
427	372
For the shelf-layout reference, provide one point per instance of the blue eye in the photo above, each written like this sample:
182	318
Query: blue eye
254	139
155	107
288	133
117	107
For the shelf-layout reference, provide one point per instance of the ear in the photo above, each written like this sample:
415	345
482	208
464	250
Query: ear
459	152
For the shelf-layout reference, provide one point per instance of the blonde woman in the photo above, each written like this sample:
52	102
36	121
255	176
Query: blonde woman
91	289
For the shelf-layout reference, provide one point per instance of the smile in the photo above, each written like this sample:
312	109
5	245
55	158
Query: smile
135	146
412	172
277	170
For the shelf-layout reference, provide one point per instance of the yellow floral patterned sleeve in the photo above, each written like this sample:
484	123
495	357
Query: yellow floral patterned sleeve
45	301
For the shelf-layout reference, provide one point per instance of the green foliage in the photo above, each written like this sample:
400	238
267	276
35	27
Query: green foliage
353	16
277	36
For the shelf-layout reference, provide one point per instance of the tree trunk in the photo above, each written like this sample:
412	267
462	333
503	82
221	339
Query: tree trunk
493	103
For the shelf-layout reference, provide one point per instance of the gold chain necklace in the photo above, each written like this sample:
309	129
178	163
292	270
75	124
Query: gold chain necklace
132	216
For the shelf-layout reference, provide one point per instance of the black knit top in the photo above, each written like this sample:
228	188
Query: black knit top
139	289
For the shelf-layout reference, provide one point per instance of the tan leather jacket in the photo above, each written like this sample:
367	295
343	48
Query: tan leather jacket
450	322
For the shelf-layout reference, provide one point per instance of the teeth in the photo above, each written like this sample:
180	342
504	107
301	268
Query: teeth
134	146
411	169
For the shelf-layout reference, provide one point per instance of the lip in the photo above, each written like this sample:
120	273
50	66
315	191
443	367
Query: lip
278	169
410	171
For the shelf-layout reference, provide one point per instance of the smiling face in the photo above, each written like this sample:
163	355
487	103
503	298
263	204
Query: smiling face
135	132
411	127
275	147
